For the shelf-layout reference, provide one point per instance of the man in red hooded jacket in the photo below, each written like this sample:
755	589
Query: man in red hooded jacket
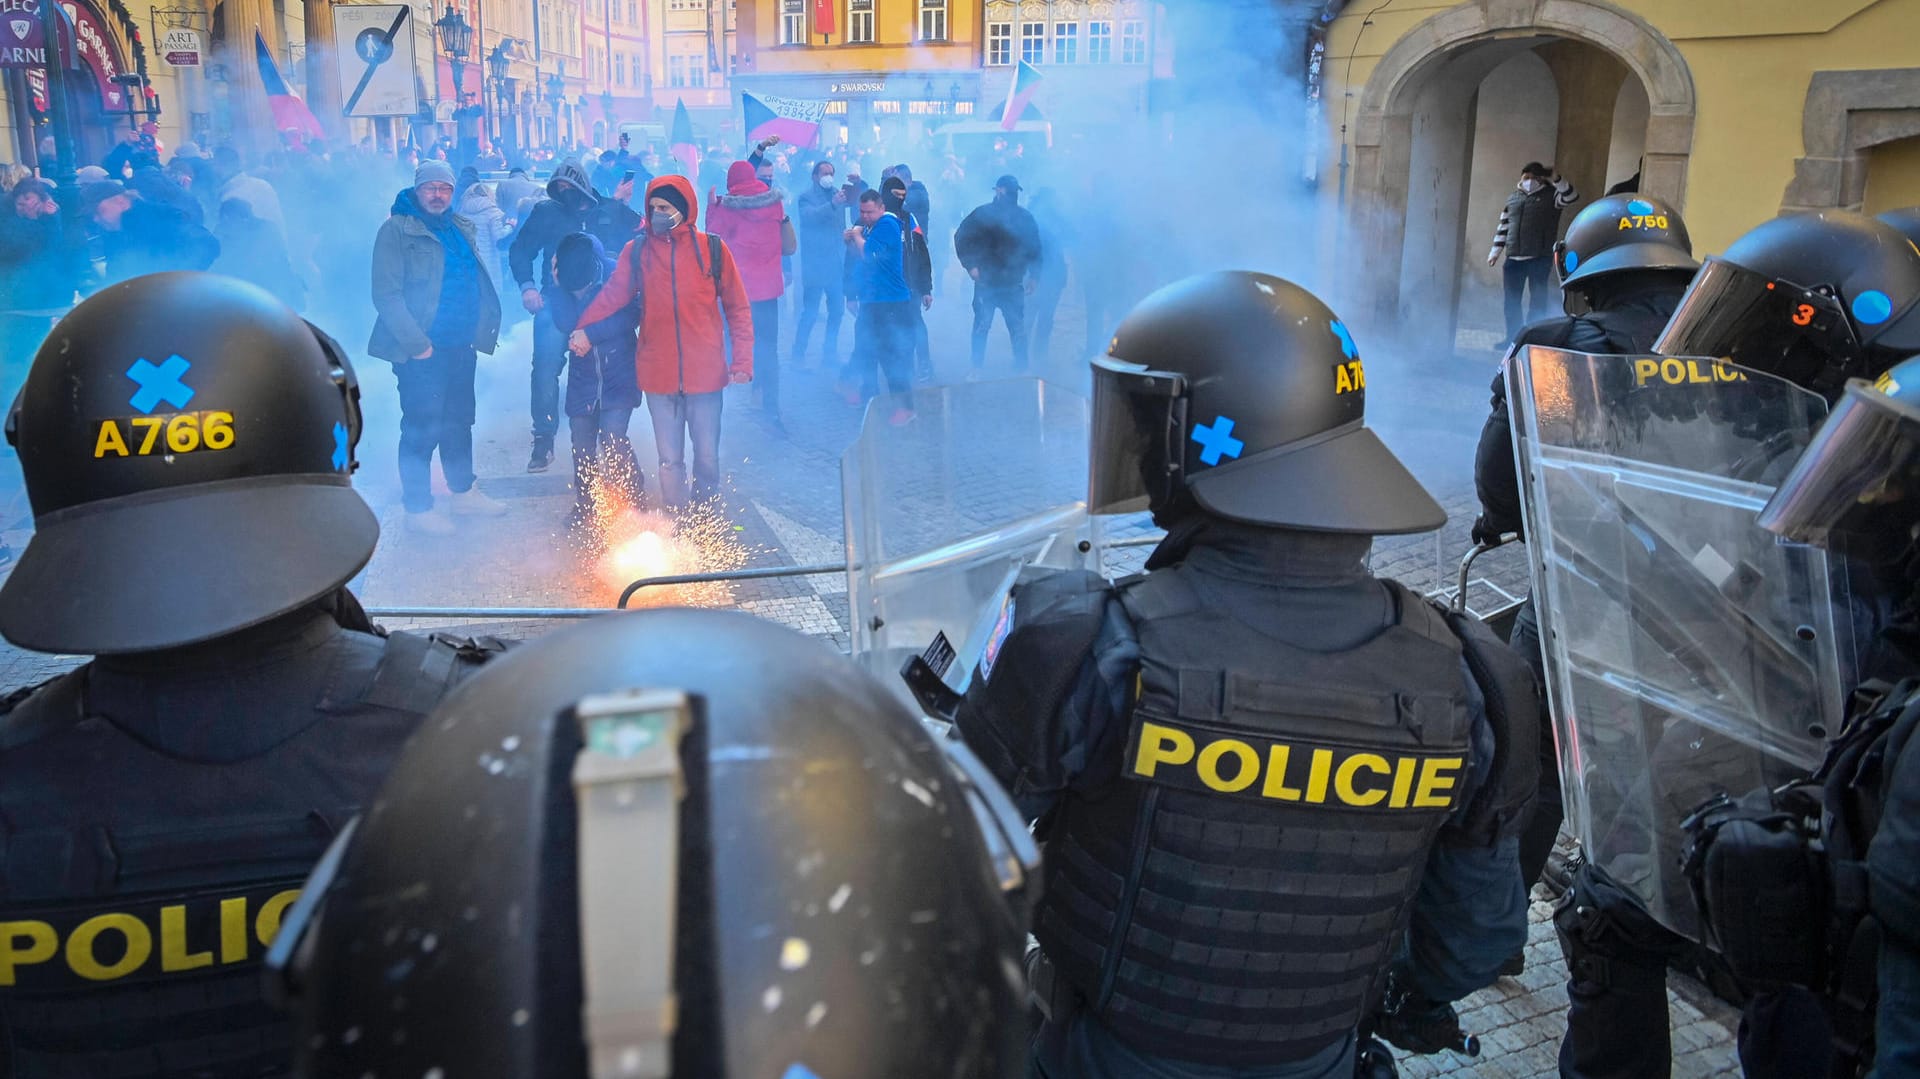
688	289
750	217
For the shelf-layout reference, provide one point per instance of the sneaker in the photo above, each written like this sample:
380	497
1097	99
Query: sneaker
542	457
471	503
901	417
433	522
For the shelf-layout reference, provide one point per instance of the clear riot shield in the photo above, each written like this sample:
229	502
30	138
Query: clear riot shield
1689	652
942	514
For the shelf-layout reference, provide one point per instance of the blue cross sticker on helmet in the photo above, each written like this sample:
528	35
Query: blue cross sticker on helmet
1216	440
160	383
340	454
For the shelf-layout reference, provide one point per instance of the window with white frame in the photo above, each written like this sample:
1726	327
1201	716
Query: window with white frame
633	12
859	22
639	72
1066	43
1100	41
793	22
1133	41
933	20
619	72
999	44
1033	42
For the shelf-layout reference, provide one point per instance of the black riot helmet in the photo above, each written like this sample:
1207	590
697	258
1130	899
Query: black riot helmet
1623	234
1244	393
186	442
1856	488
690	840
1815	298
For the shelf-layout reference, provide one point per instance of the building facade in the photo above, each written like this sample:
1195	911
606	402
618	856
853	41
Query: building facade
1735	110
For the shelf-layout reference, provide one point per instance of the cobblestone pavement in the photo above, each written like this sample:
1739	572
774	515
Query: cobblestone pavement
784	508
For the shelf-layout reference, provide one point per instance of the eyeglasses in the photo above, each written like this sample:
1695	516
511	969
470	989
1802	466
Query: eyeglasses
436	189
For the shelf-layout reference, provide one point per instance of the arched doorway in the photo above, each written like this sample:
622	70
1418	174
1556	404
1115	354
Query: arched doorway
1453	110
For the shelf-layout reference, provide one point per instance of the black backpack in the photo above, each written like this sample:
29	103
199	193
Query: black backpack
916	261
714	246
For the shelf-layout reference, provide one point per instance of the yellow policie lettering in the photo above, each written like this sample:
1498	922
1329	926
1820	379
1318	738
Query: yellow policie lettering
184	432
1349	377
1654	221
1676	372
114	945
1337	777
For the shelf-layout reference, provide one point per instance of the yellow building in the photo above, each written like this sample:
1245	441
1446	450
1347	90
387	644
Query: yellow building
882	66
1736	110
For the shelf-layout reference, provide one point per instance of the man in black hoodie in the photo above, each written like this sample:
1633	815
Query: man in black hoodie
570	206
999	245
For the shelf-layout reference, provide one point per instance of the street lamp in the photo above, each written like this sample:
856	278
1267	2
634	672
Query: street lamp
526	112
557	96
456	38
497	65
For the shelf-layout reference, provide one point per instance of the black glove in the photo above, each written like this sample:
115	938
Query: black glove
1484	533
1422	1026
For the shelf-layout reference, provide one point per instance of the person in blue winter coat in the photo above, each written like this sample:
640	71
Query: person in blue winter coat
603	388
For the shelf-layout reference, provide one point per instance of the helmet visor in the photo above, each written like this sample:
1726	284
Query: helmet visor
1759	322
1137	415
1856	489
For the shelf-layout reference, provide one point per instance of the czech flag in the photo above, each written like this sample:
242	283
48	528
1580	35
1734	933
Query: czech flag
797	122
681	145
289	112
1026	80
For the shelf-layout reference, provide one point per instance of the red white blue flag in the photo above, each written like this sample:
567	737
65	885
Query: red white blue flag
797	122
289	112
1026	80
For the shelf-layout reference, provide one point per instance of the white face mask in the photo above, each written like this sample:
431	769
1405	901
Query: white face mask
826	181
1529	186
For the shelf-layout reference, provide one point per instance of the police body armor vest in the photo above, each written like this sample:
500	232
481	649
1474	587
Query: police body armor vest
139	888
1234	897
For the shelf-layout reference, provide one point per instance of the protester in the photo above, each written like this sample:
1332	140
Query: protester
436	309
882	302
822	209
235	183
156	186
919	207
39	274
570	206
194	175
999	245
602	386
491	228
252	250
752	220
141	237
1529	226
691	299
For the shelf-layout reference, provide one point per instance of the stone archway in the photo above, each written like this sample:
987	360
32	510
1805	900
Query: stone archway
1383	133
1847	114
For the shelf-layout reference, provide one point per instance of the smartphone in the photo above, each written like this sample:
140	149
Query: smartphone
627	177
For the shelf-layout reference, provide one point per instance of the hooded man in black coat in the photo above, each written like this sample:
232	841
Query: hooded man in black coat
570	206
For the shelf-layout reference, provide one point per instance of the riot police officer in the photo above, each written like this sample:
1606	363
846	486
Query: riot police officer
1814	299
1623	265
187	443
1856	491
1255	763
671	843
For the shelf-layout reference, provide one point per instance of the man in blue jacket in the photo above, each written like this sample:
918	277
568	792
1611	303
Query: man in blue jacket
881	300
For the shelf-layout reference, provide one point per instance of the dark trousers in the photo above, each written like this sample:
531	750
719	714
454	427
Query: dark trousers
1011	302
883	342
766	352
922	344
833	291
1081	1047
1529	275
602	450
436	413
549	361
